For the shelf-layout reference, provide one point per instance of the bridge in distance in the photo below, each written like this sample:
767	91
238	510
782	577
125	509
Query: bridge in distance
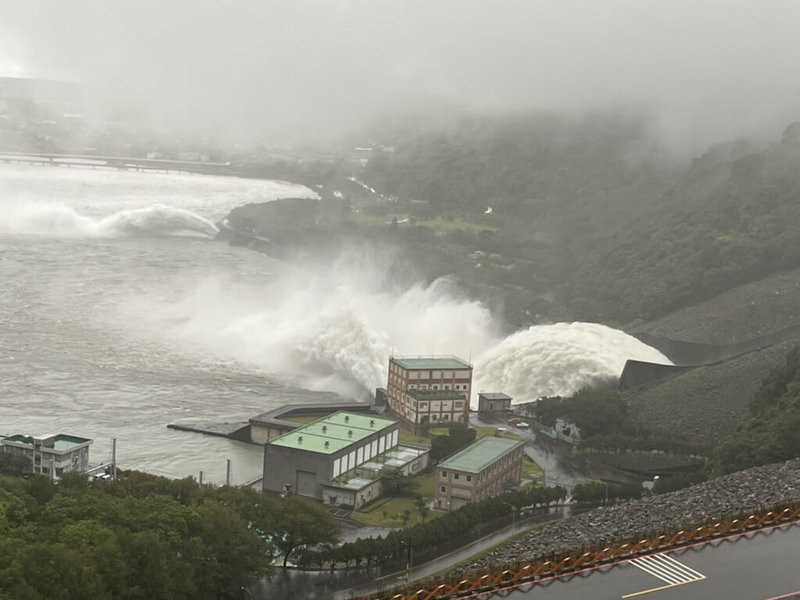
116	162
758	565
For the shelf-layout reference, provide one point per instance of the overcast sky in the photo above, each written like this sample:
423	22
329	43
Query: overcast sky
707	70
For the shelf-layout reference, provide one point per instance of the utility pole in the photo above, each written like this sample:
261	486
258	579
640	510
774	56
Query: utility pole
228	473
113	458
513	517
409	558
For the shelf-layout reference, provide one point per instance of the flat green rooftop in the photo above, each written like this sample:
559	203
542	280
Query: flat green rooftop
60	442
479	455
333	432
431	362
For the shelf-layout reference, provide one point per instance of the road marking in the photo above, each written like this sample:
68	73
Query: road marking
667	569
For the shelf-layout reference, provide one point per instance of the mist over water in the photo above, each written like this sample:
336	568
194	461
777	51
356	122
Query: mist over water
329	326
332	327
115	323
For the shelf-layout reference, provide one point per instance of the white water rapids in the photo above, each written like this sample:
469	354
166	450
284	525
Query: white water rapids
120	315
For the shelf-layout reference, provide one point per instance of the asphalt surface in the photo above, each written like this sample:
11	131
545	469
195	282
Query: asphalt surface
762	565
419	571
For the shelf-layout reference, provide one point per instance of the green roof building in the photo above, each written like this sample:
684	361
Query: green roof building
485	468
338	458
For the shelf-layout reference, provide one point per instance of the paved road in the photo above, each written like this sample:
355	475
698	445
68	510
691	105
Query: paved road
757	566
419	571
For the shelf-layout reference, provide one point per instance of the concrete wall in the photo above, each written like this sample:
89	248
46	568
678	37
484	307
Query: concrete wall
687	355
282	464
261	432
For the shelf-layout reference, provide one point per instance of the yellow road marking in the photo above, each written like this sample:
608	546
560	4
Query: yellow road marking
663	587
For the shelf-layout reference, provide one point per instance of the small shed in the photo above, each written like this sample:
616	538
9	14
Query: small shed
493	402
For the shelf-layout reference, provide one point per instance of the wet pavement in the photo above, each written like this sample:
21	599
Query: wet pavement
555	457
757	564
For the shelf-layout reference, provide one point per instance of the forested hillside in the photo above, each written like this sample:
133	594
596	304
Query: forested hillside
587	215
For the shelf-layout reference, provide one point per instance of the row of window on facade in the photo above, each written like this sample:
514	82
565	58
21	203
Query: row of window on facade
399	381
364	453
409	415
456	476
434	405
396	372
435	387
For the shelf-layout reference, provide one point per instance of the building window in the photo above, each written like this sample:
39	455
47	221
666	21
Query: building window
443	473
469	477
443	489
459	404
455	475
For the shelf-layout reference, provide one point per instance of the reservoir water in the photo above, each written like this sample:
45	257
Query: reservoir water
120	314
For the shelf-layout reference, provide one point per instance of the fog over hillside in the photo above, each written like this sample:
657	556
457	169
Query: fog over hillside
305	70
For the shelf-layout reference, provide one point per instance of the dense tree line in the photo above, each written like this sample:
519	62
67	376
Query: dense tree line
143	536
678	481
600	492
606	424
378	550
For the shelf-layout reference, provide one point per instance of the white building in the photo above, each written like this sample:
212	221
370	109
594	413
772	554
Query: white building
51	455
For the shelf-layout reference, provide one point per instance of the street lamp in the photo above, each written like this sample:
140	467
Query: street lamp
409	557
513	517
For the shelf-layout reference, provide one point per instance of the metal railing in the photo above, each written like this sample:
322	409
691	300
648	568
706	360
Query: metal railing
506	576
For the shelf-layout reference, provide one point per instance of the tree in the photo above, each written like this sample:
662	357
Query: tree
773	432
235	552
302	522
459	436
142	537
396	484
14	464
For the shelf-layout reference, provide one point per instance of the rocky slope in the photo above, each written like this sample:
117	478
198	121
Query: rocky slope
707	403
766	487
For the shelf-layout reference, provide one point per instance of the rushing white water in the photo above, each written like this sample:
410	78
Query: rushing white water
60	220
116	323
559	359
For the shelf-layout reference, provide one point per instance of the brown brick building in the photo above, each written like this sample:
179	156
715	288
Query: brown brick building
425	391
482	470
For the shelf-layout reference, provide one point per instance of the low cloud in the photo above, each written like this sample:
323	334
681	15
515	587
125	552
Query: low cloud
705	71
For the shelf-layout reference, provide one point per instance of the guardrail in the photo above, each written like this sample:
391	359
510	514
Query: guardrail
506	576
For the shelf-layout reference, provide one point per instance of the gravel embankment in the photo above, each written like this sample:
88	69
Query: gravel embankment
762	487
